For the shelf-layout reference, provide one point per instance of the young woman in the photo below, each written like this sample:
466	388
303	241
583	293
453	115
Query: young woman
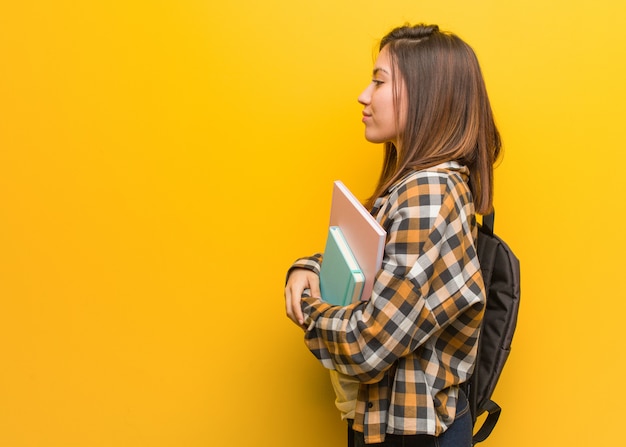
413	344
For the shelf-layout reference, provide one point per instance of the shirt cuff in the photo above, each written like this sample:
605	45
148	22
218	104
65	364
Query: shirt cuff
313	263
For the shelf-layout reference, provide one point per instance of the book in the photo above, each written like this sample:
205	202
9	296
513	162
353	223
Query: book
363	234
341	279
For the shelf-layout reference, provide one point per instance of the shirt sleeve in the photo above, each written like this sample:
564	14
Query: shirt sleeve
313	263
429	278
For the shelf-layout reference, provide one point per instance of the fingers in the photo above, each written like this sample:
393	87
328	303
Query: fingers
296	307
297	311
292	303
288	305
298	281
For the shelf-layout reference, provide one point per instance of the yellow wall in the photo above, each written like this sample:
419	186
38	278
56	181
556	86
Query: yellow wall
163	162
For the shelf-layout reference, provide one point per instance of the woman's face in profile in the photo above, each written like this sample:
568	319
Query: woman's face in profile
379	114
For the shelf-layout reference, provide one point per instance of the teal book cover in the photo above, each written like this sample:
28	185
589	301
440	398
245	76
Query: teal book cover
341	279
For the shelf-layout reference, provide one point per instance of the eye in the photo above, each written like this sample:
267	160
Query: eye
377	82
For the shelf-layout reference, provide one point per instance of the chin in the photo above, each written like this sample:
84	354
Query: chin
373	139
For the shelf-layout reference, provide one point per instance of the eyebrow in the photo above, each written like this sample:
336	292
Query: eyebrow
376	70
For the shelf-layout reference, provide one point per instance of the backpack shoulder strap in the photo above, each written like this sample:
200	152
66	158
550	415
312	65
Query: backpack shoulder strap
489	221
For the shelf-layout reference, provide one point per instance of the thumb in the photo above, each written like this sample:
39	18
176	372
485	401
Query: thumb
315	290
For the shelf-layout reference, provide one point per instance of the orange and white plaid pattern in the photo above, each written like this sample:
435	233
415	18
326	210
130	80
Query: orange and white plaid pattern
416	339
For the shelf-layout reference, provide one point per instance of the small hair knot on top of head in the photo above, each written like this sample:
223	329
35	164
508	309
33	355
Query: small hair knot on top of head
422	30
411	32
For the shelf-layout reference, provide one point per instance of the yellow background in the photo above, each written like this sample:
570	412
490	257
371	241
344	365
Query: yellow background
163	162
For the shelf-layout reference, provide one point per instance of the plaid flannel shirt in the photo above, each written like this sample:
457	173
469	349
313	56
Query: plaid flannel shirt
415	340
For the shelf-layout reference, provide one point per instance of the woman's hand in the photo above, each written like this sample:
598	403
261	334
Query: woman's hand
299	280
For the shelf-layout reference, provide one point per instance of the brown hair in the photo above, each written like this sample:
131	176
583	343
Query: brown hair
448	115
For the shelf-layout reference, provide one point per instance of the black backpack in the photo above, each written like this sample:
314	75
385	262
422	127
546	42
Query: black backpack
501	274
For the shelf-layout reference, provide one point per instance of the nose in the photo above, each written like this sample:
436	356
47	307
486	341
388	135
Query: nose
365	96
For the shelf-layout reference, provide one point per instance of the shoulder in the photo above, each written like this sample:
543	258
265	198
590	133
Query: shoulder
429	186
421	198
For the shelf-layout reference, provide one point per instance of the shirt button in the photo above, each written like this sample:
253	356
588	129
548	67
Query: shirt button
370	405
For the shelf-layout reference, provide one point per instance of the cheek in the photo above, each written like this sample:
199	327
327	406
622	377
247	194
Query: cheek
384	107
392	118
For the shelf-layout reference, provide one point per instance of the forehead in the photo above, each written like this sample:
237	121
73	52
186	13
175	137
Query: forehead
383	62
